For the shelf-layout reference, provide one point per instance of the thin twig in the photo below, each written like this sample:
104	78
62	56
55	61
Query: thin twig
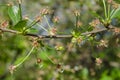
8	30
95	31
53	36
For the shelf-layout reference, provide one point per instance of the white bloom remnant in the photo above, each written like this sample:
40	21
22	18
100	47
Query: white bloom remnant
98	61
12	69
26	17
103	43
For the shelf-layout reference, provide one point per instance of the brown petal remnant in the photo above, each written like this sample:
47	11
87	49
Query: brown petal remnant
38	19
19	1
35	42
10	4
4	24
115	5
109	1
55	19
53	31
59	66
94	23
45	11
117	30
39	60
79	23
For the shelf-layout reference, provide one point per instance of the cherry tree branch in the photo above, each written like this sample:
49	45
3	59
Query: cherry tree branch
52	36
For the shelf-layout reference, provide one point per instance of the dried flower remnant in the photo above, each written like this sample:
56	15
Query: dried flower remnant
19	1
116	30
45	11
109	1
94	23
38	19
76	13
12	69
98	61
26	17
79	23
115	5
39	60
103	43
53	31
92	72
59	47
79	40
59	66
35	42
4	24
10	4
55	19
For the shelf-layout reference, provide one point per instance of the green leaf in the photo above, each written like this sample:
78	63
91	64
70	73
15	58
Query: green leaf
117	1
33	30
85	73
14	14
106	78
116	14
20	25
43	56
19	59
95	14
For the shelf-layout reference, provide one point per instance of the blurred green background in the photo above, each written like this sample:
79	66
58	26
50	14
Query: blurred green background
77	62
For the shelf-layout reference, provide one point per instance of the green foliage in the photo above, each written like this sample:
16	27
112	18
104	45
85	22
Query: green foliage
61	59
32	30
118	1
20	25
14	14
116	14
